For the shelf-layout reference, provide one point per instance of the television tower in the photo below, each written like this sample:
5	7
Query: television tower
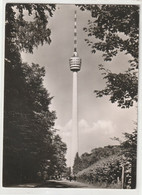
75	65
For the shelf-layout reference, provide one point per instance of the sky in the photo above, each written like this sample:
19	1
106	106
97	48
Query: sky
98	119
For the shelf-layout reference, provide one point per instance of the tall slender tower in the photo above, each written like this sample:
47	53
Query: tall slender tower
75	65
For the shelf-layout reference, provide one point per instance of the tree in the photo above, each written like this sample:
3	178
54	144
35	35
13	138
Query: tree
122	87
77	164
28	125
28	121
54	163
129	148
88	159
116	29
59	151
129	153
27	25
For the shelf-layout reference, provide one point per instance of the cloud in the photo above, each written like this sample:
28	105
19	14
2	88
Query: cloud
83	125
65	131
97	134
107	127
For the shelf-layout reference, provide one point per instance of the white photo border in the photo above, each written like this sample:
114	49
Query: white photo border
61	191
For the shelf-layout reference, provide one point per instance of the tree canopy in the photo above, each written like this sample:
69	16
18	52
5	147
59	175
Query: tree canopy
116	29
27	25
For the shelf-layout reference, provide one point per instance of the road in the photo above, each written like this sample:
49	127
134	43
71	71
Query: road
55	184
64	184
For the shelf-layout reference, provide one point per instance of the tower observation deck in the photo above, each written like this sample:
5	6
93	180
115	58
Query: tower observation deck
75	62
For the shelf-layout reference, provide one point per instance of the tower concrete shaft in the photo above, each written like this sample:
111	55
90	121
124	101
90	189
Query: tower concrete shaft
75	133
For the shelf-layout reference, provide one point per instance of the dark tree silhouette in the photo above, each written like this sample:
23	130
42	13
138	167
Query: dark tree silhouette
77	164
29	134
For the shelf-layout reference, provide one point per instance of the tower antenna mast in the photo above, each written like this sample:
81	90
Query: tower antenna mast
75	31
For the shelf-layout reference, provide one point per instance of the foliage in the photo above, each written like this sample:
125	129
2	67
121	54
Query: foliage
28	123
67	172
31	145
129	152
59	150
77	164
122	88
114	29
129	146
87	159
107	170
55	164
27	25
103	173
